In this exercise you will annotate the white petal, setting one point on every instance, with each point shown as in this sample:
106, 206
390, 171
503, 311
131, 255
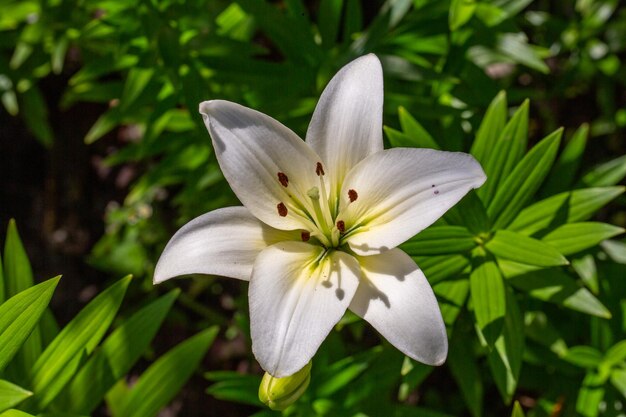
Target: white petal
347, 122
252, 149
296, 297
402, 191
222, 242
395, 298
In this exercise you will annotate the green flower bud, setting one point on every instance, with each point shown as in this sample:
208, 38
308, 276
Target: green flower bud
280, 393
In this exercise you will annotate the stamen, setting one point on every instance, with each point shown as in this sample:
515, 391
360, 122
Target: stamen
319, 169
282, 210
284, 180
341, 226
305, 236
352, 195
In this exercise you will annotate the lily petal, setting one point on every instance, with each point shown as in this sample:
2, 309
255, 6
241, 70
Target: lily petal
253, 151
395, 298
401, 192
222, 242
347, 122
297, 294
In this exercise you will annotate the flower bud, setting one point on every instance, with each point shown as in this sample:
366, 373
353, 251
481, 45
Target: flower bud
280, 393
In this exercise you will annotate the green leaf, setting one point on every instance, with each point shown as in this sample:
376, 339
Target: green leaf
608, 173
618, 379
465, 372
615, 355
566, 167
15, 413
522, 183
415, 131
575, 237
563, 208
517, 410
490, 128
583, 356
506, 153
136, 82
11, 395
18, 274
19, 316
553, 285
461, 11
471, 213
115, 357
34, 109
590, 395
488, 296
523, 249
505, 360
329, 20
2, 283
18, 277
105, 123
440, 240
615, 250
586, 269
61, 359
235, 387
160, 383
439, 268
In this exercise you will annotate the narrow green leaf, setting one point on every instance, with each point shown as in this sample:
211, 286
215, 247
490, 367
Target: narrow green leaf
506, 153
490, 128
488, 297
590, 395
329, 20
353, 18
137, 80
566, 167
440, 240
575, 237
17, 270
586, 269
235, 387
616, 250
517, 410
61, 359
615, 355
553, 285
15, 413
583, 356
115, 357
539, 329
461, 11
563, 208
522, 183
18, 277
471, 213
105, 123
505, 360
415, 131
439, 268
2, 282
608, 173
19, 316
34, 109
11, 395
160, 383
340, 374
618, 379
452, 296
519, 248
466, 373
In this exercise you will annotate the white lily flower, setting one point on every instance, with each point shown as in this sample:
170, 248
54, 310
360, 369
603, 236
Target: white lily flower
320, 222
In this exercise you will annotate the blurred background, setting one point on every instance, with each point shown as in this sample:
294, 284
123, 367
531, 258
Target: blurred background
103, 155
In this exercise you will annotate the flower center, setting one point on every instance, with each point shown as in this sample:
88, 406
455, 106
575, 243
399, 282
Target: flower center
320, 213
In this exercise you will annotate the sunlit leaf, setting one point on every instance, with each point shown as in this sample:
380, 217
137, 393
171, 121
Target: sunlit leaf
11, 395
519, 248
575, 237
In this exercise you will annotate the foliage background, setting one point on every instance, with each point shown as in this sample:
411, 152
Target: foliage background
104, 156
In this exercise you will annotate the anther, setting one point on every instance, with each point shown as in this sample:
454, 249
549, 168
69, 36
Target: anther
352, 195
283, 179
319, 169
305, 236
341, 226
282, 209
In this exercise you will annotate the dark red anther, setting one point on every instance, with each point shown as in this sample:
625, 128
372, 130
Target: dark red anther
305, 236
319, 169
352, 195
284, 180
436, 191
341, 226
282, 209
